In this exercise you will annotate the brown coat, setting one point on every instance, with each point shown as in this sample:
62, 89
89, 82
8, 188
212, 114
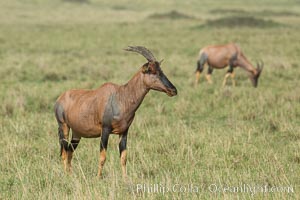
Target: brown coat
109, 109
221, 56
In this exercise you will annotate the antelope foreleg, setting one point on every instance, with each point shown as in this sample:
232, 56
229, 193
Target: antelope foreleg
101, 161
123, 156
230, 73
225, 78
232, 78
208, 75
103, 148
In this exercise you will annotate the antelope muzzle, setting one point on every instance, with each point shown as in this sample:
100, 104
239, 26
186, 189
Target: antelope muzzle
169, 89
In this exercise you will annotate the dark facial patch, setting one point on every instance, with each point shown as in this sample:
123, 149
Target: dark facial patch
154, 68
255, 81
166, 81
163, 78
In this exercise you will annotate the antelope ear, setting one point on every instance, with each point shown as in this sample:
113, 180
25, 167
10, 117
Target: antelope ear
161, 61
146, 68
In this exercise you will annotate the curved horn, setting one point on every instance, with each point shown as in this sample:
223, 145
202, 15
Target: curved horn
143, 51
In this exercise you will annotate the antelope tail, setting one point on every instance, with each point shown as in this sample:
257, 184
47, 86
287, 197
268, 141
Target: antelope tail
201, 61
59, 114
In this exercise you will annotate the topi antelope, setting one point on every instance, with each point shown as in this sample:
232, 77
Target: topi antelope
109, 109
220, 56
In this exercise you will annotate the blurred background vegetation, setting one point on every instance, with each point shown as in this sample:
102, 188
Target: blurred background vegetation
205, 135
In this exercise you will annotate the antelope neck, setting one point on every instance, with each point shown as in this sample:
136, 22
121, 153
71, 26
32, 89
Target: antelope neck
132, 93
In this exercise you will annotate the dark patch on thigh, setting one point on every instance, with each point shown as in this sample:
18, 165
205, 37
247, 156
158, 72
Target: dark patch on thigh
59, 112
201, 62
203, 58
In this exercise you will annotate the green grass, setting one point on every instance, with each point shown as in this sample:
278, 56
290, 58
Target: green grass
204, 136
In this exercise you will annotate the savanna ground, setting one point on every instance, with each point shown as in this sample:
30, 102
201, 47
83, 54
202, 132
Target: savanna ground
205, 135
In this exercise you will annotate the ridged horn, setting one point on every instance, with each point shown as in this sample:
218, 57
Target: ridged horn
143, 51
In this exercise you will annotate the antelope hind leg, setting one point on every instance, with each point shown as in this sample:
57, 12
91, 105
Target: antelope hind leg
63, 132
198, 73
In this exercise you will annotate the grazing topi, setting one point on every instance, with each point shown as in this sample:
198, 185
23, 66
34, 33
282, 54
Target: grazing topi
221, 56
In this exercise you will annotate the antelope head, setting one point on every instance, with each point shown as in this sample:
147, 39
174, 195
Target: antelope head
254, 77
153, 76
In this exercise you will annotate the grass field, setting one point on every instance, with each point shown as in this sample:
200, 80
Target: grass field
205, 137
